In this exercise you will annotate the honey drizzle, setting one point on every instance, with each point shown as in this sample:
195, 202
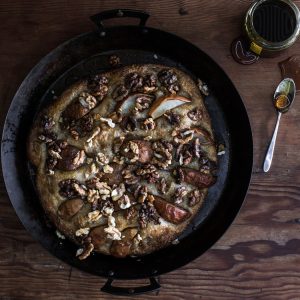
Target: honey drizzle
282, 101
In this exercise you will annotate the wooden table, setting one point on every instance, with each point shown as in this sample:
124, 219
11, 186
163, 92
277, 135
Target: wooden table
258, 257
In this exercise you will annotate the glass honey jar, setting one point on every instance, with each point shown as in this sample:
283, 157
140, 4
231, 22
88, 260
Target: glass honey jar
271, 26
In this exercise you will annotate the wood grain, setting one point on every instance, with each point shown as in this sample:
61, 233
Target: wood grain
258, 257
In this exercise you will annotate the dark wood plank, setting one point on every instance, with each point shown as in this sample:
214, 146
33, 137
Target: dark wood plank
258, 256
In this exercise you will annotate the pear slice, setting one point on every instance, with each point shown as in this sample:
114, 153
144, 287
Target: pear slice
126, 106
169, 211
166, 103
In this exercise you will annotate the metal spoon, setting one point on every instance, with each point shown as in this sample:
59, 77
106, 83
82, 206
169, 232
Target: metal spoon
283, 98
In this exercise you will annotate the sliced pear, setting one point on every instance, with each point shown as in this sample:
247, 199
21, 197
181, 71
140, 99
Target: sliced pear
165, 103
122, 248
71, 158
98, 236
69, 208
196, 178
170, 212
126, 106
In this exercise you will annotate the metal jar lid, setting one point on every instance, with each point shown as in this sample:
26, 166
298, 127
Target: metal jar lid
260, 44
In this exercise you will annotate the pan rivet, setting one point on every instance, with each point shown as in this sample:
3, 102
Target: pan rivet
131, 291
145, 30
111, 273
102, 33
194, 227
154, 271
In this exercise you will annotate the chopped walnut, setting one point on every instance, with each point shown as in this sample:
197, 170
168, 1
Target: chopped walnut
93, 195
124, 202
129, 177
150, 83
142, 102
179, 194
104, 189
78, 159
82, 231
91, 183
130, 213
150, 198
101, 159
108, 169
134, 82
141, 193
183, 136
195, 114
47, 137
111, 221
106, 207
114, 60
184, 153
197, 148
148, 172
74, 134
133, 149
194, 197
119, 160
113, 233
91, 217
169, 80
147, 214
94, 216
162, 154
87, 100
173, 118
120, 93
85, 252
148, 124
162, 185
179, 175
71, 188
118, 192
203, 87
108, 121
98, 86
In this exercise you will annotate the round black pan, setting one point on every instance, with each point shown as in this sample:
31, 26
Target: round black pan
88, 54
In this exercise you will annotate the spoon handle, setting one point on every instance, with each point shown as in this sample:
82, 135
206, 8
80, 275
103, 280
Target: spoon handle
270, 152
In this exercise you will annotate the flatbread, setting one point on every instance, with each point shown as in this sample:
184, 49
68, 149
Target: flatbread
124, 159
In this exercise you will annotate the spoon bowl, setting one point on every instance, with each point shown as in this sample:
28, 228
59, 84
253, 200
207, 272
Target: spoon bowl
287, 91
283, 98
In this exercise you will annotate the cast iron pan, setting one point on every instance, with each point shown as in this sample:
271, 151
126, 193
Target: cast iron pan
88, 54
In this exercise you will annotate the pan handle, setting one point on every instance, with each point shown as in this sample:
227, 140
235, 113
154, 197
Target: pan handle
127, 291
119, 13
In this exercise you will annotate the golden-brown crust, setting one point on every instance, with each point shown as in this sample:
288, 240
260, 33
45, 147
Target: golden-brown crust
153, 236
